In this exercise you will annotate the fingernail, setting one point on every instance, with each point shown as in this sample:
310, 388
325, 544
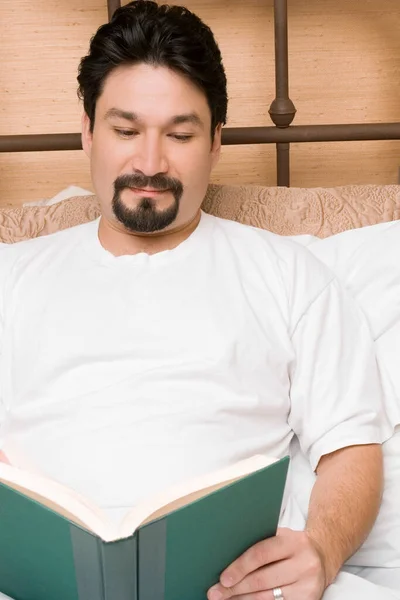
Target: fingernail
215, 595
226, 580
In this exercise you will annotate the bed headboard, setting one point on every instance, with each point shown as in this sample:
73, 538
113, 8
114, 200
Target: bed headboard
282, 111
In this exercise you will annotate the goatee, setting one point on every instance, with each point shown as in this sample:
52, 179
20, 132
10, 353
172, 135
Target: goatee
146, 217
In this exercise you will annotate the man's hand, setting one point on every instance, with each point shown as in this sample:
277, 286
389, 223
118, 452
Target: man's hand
343, 506
290, 561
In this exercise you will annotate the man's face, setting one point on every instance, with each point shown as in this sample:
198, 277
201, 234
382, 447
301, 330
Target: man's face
151, 150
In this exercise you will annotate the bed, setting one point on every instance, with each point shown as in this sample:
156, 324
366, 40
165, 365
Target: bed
284, 210
315, 215
282, 112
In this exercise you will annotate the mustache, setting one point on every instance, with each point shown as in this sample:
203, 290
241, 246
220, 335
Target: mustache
154, 182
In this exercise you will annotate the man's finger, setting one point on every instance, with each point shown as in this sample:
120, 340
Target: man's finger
265, 552
288, 593
278, 574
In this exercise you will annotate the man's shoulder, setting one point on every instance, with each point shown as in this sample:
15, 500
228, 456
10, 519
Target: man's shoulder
281, 261
254, 240
248, 232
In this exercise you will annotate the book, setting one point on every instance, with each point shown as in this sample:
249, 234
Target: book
55, 545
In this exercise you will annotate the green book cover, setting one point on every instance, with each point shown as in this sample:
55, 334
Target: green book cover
47, 556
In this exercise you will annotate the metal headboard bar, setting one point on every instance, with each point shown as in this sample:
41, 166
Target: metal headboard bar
282, 109
231, 136
112, 6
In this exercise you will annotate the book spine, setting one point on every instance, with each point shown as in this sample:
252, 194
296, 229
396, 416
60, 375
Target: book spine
119, 569
104, 570
152, 548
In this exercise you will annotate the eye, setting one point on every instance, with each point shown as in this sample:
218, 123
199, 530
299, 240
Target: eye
125, 133
181, 137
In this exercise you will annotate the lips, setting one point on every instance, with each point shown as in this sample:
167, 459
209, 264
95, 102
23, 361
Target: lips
148, 191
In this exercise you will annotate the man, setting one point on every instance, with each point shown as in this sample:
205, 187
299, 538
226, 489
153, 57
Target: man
168, 342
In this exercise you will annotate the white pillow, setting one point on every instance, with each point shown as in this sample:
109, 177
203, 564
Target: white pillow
367, 262
68, 192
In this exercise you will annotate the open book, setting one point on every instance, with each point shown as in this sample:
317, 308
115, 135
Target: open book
56, 544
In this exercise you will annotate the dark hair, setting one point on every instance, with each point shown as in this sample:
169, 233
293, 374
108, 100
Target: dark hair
170, 36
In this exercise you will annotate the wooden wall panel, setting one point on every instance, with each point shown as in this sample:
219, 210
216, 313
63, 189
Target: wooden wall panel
345, 67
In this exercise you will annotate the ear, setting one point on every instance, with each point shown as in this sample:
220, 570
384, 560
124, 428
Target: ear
216, 145
87, 136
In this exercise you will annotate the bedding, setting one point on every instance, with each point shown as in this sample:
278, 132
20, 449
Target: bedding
367, 263
287, 211
69, 192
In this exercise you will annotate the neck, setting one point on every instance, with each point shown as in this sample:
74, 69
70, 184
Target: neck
120, 242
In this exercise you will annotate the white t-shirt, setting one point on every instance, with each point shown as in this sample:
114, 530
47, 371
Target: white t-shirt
122, 375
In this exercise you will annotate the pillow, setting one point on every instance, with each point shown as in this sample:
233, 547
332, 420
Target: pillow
21, 223
366, 261
309, 211
286, 211
69, 192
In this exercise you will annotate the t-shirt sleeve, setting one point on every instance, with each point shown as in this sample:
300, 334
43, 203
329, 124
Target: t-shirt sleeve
336, 398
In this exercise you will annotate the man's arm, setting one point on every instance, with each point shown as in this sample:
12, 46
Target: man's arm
344, 503
336, 406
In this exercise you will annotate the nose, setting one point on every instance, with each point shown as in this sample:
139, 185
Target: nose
150, 156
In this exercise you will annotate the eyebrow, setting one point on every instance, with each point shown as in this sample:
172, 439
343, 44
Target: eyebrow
190, 118
121, 114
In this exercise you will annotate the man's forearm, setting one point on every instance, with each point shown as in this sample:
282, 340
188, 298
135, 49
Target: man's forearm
344, 503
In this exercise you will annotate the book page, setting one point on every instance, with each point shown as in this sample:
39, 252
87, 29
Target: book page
60, 499
86, 514
61, 510
189, 491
